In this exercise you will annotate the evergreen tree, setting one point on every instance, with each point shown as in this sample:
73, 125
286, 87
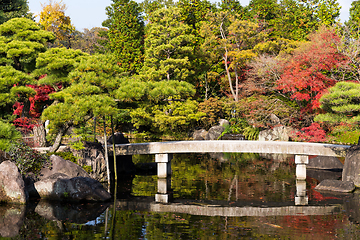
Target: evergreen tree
8, 133
54, 66
168, 45
14, 9
21, 40
91, 94
193, 13
298, 18
354, 19
341, 104
126, 34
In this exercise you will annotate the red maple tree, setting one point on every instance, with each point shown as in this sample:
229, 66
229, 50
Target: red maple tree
307, 74
36, 106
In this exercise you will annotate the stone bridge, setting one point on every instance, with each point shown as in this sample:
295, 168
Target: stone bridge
163, 151
163, 154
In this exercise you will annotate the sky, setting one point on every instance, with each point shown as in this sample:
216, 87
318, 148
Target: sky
91, 13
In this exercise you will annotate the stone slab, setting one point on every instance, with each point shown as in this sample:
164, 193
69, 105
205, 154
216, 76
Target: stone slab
240, 146
325, 162
336, 186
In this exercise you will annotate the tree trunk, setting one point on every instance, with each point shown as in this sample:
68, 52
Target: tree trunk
26, 109
39, 135
59, 136
229, 76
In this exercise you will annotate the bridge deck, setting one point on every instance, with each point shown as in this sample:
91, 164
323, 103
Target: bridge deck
296, 148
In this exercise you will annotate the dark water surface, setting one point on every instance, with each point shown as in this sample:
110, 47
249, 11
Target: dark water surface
227, 196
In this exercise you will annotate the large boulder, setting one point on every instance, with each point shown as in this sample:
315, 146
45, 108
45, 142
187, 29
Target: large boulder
351, 170
59, 165
199, 134
12, 187
119, 138
325, 162
224, 122
61, 187
214, 132
279, 133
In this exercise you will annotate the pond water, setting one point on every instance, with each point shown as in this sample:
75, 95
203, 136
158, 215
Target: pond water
224, 196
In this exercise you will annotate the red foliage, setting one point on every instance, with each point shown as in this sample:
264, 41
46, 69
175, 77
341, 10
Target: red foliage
318, 226
42, 95
305, 76
25, 124
313, 133
36, 102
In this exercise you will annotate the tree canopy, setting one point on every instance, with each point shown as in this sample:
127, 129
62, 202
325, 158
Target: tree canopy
159, 63
14, 9
341, 104
126, 34
53, 19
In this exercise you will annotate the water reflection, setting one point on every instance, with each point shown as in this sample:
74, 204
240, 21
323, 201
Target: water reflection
142, 217
240, 197
76, 213
11, 219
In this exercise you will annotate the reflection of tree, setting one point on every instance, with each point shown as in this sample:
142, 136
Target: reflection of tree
128, 225
197, 176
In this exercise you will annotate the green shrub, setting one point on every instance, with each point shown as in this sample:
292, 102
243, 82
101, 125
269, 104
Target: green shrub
87, 168
8, 133
213, 108
240, 126
27, 159
65, 155
344, 134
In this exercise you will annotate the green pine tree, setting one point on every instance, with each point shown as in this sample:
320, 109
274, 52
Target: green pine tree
8, 133
354, 19
341, 104
126, 34
21, 40
168, 44
14, 9
56, 64
91, 94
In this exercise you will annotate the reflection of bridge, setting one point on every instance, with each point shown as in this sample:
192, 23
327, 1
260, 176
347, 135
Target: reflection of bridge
163, 154
199, 208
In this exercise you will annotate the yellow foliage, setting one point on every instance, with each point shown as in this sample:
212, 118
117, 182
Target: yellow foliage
53, 18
